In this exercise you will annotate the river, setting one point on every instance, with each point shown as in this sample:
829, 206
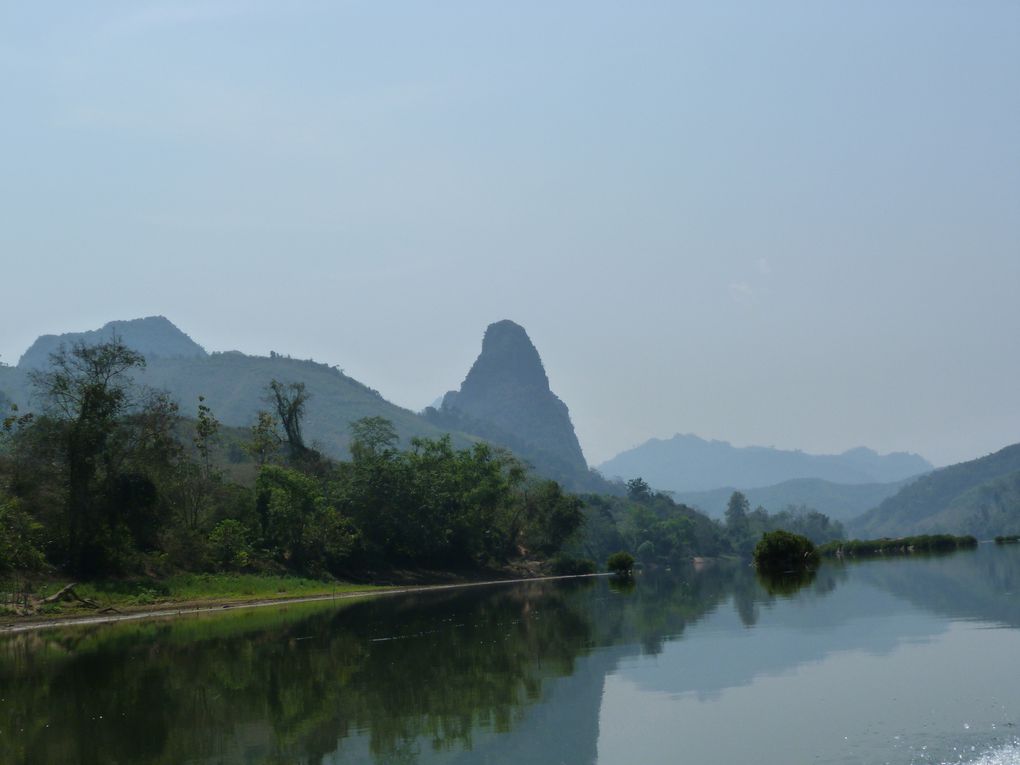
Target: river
904, 660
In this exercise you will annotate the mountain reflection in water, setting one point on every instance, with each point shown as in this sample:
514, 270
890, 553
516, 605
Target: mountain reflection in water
501, 674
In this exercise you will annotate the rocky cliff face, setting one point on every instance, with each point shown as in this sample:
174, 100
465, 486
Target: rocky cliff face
506, 399
155, 337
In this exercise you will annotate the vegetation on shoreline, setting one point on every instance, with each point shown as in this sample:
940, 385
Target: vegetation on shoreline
108, 483
862, 548
22, 596
101, 485
781, 551
1008, 539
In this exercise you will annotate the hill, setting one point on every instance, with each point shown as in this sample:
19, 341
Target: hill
155, 337
840, 501
506, 399
979, 497
233, 383
686, 463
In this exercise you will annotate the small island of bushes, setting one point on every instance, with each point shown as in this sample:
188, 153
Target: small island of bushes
782, 551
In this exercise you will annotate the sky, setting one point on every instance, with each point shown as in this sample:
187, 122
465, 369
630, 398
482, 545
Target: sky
793, 223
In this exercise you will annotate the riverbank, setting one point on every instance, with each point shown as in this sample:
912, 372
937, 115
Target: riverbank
168, 609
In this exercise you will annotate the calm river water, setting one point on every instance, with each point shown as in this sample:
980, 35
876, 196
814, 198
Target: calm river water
890, 661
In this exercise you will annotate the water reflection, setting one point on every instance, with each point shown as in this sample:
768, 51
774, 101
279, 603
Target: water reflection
500, 674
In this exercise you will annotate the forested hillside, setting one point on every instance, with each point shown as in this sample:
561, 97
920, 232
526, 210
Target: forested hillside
979, 497
840, 501
233, 384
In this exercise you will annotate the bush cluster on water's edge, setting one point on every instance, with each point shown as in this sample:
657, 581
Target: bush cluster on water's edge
620, 563
780, 550
1008, 539
901, 546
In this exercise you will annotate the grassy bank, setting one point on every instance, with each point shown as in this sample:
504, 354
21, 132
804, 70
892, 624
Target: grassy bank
20, 598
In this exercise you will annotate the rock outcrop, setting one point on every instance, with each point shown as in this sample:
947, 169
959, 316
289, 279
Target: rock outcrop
506, 399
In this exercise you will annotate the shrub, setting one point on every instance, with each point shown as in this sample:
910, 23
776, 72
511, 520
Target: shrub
228, 543
782, 551
620, 563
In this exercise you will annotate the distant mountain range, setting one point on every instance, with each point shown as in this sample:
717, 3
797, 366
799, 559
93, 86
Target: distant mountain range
687, 463
979, 497
840, 501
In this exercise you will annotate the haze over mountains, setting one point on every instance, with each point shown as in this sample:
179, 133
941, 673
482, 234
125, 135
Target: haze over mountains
506, 399
233, 383
840, 501
155, 337
979, 497
688, 463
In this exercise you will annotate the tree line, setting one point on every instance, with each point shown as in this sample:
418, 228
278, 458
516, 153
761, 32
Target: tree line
107, 478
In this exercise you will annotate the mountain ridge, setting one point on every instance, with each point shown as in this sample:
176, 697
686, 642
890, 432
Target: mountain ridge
841, 502
979, 497
688, 463
152, 336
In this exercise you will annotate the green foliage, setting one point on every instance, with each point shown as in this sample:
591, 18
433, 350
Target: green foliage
107, 440
861, 548
736, 513
780, 551
978, 497
620, 563
229, 545
20, 539
1007, 539
265, 440
300, 527
646, 551
109, 481
638, 490
676, 531
207, 429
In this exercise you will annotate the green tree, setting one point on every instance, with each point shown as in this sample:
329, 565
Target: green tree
373, 437
20, 539
620, 563
107, 430
229, 545
264, 439
638, 490
736, 513
207, 436
780, 551
301, 527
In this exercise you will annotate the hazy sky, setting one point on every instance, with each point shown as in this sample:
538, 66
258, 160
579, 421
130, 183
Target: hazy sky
786, 223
